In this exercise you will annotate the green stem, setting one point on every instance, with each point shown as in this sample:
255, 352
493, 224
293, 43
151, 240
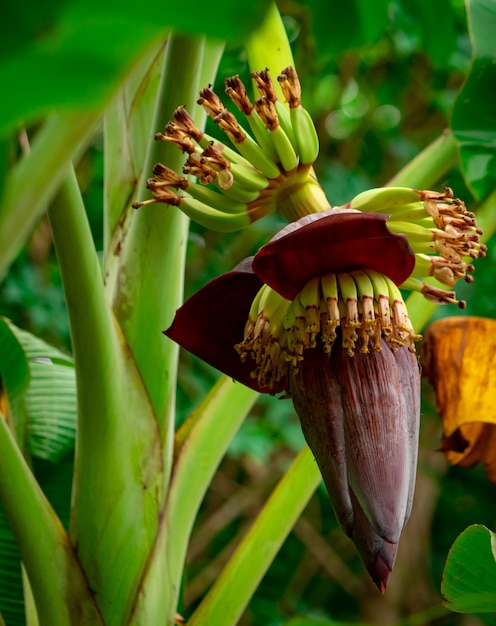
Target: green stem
29, 601
118, 462
59, 586
149, 278
200, 445
34, 180
227, 599
128, 129
269, 47
430, 165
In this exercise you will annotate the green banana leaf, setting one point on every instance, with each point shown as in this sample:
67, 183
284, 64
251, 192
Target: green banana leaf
473, 114
469, 579
39, 387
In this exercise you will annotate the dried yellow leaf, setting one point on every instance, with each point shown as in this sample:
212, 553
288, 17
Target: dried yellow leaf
460, 362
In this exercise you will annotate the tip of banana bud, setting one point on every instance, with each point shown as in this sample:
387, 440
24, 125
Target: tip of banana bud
378, 554
381, 569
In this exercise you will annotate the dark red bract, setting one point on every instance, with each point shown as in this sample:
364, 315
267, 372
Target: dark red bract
333, 241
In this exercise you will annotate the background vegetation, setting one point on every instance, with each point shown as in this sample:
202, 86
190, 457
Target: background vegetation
380, 79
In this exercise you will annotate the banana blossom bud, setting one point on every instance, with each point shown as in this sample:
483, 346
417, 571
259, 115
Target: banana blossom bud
316, 315
360, 417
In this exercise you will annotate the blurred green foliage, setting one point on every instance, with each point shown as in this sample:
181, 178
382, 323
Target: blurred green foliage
380, 79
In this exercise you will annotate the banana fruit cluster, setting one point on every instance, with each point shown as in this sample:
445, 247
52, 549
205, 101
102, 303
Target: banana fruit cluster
265, 170
442, 232
365, 305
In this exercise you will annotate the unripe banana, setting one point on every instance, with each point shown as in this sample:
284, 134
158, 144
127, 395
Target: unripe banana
290, 318
381, 296
240, 194
366, 295
347, 286
394, 292
379, 284
261, 134
285, 121
310, 294
329, 286
271, 302
414, 232
364, 285
278, 317
422, 265
309, 297
249, 177
411, 212
383, 199
286, 154
250, 149
215, 199
256, 303
211, 218
307, 141
232, 155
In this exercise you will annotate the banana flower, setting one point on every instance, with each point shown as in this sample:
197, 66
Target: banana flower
314, 316
317, 314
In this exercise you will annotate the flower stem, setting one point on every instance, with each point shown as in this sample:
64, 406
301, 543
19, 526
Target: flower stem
430, 165
269, 47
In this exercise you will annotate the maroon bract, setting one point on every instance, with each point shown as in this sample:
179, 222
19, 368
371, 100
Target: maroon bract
333, 241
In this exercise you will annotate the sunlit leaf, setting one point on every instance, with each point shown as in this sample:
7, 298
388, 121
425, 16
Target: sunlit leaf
461, 365
469, 580
473, 114
39, 384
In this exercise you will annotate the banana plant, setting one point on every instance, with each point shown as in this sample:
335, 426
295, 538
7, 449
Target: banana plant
316, 314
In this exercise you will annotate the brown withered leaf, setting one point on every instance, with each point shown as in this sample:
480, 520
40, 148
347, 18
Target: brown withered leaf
460, 362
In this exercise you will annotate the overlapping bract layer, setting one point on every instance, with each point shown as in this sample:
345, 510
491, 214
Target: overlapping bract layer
360, 417
317, 314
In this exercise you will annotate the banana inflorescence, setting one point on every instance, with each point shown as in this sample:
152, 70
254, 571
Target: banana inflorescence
364, 305
262, 172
